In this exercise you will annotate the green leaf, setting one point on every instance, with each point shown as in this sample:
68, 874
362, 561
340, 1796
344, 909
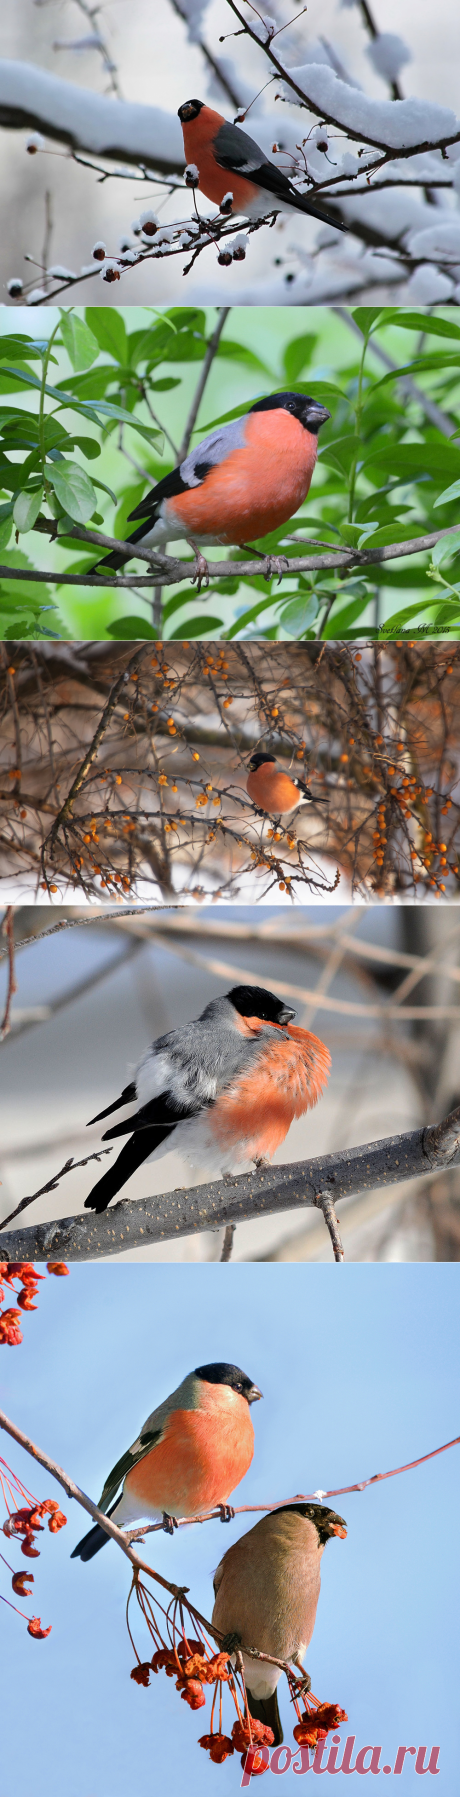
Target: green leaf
247, 617
129, 629
27, 349
446, 546
195, 627
108, 327
452, 492
74, 490
420, 365
300, 614
26, 509
418, 321
237, 352
390, 533
298, 353
365, 317
89, 447
414, 458
80, 343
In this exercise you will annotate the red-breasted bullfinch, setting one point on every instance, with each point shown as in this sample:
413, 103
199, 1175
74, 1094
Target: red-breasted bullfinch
228, 160
273, 791
244, 480
267, 1588
223, 1089
188, 1456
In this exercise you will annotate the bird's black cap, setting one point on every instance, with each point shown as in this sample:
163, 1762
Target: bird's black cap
258, 760
327, 1522
221, 1372
254, 1001
308, 411
189, 110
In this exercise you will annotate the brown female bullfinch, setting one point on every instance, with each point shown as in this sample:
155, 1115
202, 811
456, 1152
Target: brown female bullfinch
223, 1090
188, 1457
274, 791
228, 159
242, 481
267, 1588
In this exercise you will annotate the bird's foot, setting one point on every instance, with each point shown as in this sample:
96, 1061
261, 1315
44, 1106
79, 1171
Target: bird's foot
201, 570
230, 1643
275, 564
226, 1512
169, 1523
260, 1160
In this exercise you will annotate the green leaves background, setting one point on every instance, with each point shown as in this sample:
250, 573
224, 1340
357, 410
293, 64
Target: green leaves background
114, 388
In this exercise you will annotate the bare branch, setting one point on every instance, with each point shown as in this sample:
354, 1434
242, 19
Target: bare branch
140, 1222
211, 352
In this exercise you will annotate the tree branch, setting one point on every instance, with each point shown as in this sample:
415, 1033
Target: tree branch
171, 570
140, 1222
211, 352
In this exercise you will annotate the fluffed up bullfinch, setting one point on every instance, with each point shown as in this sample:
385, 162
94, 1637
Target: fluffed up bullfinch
189, 1455
267, 1588
244, 480
274, 791
228, 160
223, 1089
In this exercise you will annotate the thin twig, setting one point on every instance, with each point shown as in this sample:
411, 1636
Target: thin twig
211, 352
227, 1245
324, 1201
109, 708
8, 931
52, 1184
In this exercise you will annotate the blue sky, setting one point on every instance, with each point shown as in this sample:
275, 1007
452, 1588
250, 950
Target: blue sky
357, 1366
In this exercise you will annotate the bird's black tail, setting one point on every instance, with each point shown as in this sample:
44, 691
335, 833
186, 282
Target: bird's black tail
301, 203
93, 1541
140, 1145
115, 561
265, 1709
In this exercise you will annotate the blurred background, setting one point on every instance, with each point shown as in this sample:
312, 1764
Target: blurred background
154, 56
359, 1374
380, 987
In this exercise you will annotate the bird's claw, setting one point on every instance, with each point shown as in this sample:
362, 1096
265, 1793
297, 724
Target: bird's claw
230, 1643
169, 1523
201, 571
226, 1512
275, 564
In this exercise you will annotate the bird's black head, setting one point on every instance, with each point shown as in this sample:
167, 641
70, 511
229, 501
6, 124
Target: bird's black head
308, 411
258, 760
254, 1001
189, 111
327, 1522
221, 1372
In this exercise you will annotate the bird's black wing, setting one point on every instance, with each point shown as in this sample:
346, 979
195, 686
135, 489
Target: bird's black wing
148, 509
160, 1113
238, 154
127, 1097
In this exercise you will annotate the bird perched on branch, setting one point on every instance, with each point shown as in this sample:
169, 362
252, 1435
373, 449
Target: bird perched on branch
189, 1455
242, 481
223, 1090
267, 1588
274, 791
228, 160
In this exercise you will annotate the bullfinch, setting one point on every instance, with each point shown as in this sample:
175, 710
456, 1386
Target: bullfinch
223, 1089
228, 160
267, 1588
188, 1457
244, 480
273, 791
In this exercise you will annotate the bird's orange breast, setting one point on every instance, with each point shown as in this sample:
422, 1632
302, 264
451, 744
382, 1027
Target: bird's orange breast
272, 790
200, 1459
257, 1110
257, 488
215, 182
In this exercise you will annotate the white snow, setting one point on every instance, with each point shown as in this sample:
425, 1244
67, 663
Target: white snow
440, 241
388, 53
394, 124
38, 293
62, 274
427, 286
34, 142
90, 121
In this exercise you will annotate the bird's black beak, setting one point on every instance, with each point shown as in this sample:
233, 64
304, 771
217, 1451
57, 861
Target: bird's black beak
286, 1015
253, 1394
316, 415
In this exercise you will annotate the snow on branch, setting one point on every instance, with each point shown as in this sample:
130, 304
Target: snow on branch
31, 98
